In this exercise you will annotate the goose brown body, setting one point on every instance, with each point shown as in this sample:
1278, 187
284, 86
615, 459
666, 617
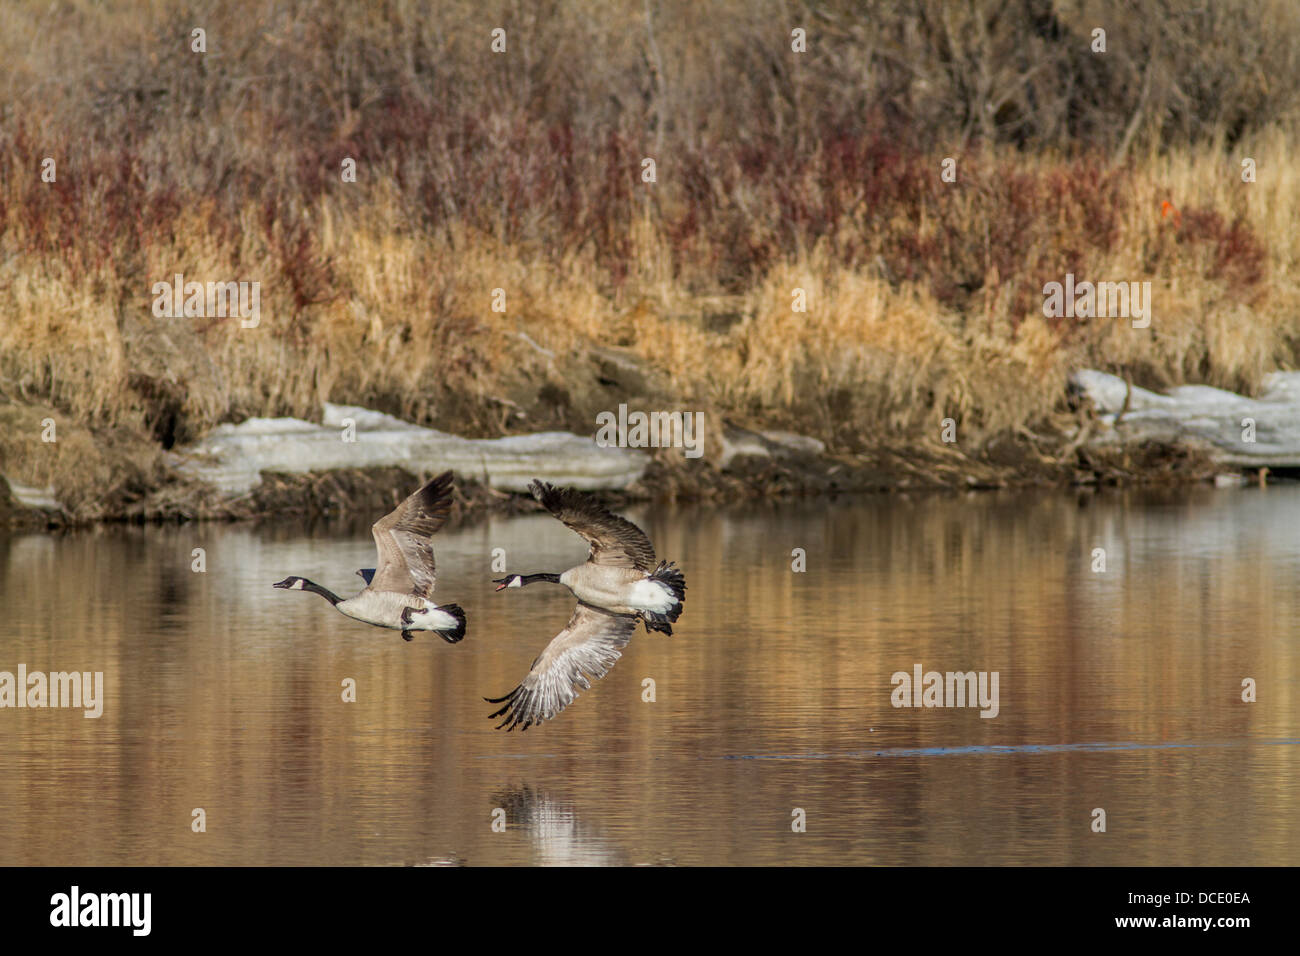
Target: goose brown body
619, 585
399, 590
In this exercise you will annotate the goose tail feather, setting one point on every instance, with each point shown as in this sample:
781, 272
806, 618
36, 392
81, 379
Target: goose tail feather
455, 634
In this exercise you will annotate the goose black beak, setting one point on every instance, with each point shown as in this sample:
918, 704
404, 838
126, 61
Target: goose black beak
283, 584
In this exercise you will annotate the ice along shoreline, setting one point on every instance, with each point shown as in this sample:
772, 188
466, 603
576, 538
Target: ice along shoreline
1113, 433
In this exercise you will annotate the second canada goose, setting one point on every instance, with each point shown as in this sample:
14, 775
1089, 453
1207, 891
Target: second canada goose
399, 593
620, 574
618, 585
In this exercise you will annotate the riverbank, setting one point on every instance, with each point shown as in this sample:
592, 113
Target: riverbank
126, 478
847, 244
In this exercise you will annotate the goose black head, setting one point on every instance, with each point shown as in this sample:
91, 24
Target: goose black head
290, 582
512, 581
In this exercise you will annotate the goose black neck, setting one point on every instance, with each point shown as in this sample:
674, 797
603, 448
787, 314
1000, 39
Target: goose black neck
541, 576
326, 593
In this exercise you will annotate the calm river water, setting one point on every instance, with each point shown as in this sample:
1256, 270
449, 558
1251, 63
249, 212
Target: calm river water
1118, 690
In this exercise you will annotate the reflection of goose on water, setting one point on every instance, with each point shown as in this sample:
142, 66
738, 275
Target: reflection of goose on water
399, 593
555, 830
618, 585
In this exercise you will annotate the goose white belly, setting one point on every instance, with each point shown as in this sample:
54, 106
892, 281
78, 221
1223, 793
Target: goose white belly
621, 590
384, 609
648, 595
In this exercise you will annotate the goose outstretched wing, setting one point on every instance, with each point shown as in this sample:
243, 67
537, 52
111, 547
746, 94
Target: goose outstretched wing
615, 542
584, 651
403, 538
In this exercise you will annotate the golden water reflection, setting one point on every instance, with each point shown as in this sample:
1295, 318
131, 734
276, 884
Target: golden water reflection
773, 694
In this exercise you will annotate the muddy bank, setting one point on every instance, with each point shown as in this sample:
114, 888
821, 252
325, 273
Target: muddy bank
127, 478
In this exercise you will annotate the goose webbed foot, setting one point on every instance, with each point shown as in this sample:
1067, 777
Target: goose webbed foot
408, 635
656, 622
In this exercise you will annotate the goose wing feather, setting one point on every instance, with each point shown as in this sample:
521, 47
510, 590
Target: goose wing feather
584, 651
615, 542
403, 539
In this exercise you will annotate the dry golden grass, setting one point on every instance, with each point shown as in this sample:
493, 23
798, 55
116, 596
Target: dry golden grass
924, 298
408, 312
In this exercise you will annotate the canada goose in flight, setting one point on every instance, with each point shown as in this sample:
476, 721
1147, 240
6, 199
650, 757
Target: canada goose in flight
399, 594
618, 585
620, 574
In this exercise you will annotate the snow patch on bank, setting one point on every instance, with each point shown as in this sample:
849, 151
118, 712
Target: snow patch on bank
1221, 419
743, 443
233, 457
41, 499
